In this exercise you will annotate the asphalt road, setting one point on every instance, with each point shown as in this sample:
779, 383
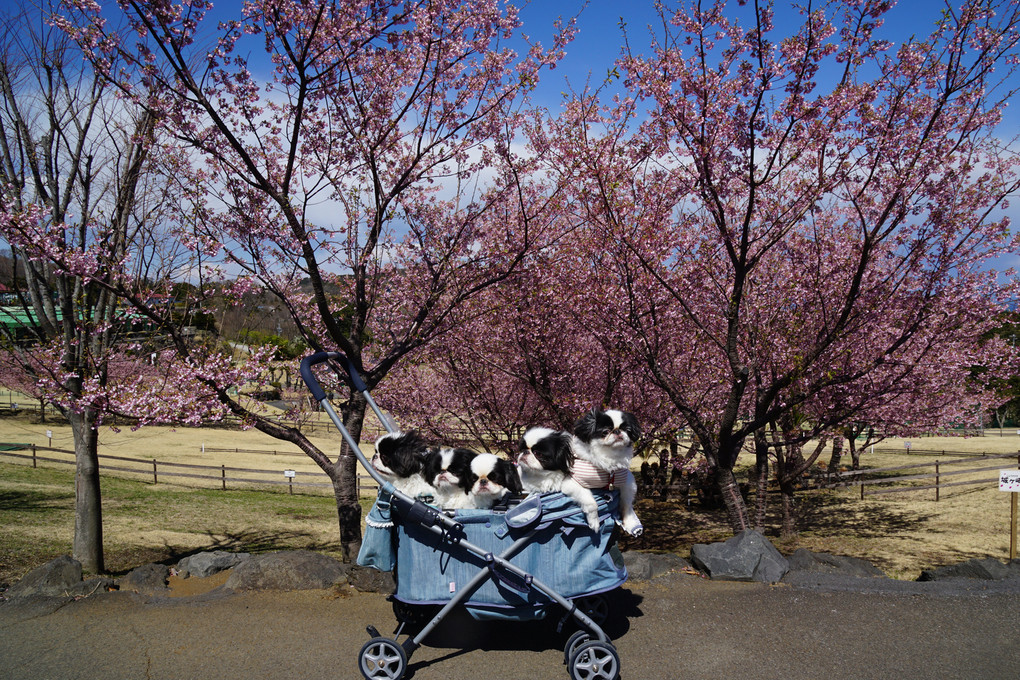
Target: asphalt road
676, 626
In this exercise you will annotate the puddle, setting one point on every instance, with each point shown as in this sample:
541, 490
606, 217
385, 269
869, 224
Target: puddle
185, 587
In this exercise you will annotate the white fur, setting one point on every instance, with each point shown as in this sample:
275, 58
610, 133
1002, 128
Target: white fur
613, 453
412, 486
449, 494
485, 495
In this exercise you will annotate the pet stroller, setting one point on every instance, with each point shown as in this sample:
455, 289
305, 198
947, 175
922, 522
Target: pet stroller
514, 563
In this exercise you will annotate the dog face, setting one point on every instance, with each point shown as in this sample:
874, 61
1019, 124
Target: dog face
449, 470
611, 429
543, 449
399, 455
494, 478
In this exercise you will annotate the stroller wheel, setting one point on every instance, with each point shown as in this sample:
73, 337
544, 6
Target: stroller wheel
594, 661
576, 640
414, 615
595, 606
382, 659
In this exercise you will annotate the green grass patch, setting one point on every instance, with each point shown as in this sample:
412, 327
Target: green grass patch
144, 523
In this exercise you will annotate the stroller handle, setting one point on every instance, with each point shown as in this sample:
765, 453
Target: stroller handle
320, 357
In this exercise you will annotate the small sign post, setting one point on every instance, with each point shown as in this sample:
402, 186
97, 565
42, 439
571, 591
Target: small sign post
290, 475
1009, 480
49, 436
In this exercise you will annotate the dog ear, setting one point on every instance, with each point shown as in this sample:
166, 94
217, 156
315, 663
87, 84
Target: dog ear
584, 428
631, 427
563, 448
513, 480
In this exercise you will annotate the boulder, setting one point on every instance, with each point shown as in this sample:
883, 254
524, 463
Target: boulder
295, 570
148, 579
60, 577
646, 566
204, 564
805, 560
367, 580
987, 569
748, 556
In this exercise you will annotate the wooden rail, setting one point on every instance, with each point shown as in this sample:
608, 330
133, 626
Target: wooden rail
875, 476
221, 474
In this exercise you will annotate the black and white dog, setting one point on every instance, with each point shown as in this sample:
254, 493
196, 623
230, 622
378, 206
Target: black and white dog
400, 458
544, 460
493, 479
603, 446
449, 472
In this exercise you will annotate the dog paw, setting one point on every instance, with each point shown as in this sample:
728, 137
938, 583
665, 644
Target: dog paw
593, 522
633, 527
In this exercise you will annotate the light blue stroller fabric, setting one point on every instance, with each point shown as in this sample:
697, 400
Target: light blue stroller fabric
379, 542
567, 556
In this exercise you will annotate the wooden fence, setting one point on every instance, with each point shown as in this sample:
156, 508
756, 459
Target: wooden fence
653, 482
218, 475
880, 477
872, 481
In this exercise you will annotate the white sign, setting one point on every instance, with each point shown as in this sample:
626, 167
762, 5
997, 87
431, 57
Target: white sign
289, 473
1009, 480
906, 445
49, 434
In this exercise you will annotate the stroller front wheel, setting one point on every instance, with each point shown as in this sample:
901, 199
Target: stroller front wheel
594, 661
382, 659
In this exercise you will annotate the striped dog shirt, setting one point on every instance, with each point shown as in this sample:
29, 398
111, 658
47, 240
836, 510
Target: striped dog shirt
591, 477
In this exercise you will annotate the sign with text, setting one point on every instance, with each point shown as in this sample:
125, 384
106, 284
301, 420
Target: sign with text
1009, 480
289, 473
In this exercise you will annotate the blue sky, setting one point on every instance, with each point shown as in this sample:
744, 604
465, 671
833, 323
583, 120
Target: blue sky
599, 37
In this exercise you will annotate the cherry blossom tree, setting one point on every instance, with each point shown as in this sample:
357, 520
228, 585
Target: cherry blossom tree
73, 164
540, 349
812, 211
366, 171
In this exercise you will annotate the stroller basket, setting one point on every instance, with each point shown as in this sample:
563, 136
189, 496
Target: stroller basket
570, 558
503, 563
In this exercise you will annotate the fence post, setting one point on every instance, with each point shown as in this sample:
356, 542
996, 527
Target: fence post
862, 491
937, 480
155, 477
223, 475
34, 463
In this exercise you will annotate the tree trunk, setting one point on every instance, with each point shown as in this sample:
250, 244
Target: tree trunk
761, 468
88, 509
730, 492
837, 454
345, 482
789, 525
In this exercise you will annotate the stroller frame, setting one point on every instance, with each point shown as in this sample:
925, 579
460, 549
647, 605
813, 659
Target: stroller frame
588, 654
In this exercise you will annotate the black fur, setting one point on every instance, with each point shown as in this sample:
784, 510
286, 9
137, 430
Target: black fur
552, 451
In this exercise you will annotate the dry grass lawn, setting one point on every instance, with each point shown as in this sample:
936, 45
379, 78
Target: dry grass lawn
901, 533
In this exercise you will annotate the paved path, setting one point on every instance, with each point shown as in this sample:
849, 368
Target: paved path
676, 626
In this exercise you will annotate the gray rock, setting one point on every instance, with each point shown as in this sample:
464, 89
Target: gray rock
297, 570
206, 564
646, 566
805, 560
148, 579
748, 556
56, 578
986, 569
369, 580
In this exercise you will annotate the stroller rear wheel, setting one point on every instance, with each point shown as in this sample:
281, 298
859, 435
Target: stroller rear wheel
382, 659
595, 606
414, 615
594, 661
